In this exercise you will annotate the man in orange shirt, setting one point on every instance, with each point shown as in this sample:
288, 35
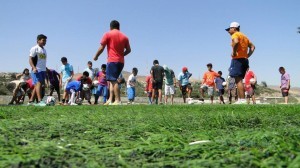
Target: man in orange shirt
117, 48
208, 82
242, 49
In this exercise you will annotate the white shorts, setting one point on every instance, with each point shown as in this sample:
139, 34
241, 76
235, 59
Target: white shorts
64, 84
169, 90
210, 90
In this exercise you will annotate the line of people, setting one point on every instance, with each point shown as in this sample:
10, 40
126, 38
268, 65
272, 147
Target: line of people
118, 47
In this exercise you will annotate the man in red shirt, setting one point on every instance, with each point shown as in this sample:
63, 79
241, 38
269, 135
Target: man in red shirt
117, 47
250, 87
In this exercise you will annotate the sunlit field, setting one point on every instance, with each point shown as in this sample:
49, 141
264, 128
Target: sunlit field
150, 136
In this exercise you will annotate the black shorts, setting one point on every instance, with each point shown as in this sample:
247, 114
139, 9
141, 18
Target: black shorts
184, 88
157, 85
285, 92
56, 87
238, 67
221, 92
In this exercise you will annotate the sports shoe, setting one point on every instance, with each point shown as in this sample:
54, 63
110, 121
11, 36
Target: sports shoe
241, 102
116, 103
107, 103
30, 104
73, 104
41, 104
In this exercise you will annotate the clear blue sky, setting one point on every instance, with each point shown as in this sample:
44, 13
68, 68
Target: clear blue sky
177, 33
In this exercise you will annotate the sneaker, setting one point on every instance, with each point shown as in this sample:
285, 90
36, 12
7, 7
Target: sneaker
41, 104
107, 103
30, 104
241, 102
116, 103
73, 104
128, 103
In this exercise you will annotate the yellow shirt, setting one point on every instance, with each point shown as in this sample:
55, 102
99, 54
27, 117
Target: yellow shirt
242, 48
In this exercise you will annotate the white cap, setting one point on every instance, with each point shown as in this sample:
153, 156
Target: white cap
233, 24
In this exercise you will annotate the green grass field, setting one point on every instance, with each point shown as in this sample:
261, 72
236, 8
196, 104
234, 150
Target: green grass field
150, 136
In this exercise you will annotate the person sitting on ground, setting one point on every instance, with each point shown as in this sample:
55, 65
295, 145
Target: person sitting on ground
25, 76
18, 92
21, 87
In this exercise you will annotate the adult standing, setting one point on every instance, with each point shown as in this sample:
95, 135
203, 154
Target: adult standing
90, 70
285, 84
37, 61
117, 48
157, 73
242, 49
170, 83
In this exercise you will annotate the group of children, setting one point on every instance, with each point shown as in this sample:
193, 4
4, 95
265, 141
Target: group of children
212, 81
93, 82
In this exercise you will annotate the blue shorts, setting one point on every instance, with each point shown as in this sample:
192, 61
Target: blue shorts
113, 70
38, 77
238, 67
131, 93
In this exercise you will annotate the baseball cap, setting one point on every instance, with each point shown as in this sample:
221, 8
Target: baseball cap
233, 24
184, 69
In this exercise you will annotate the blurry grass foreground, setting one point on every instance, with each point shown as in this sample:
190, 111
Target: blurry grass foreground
150, 136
